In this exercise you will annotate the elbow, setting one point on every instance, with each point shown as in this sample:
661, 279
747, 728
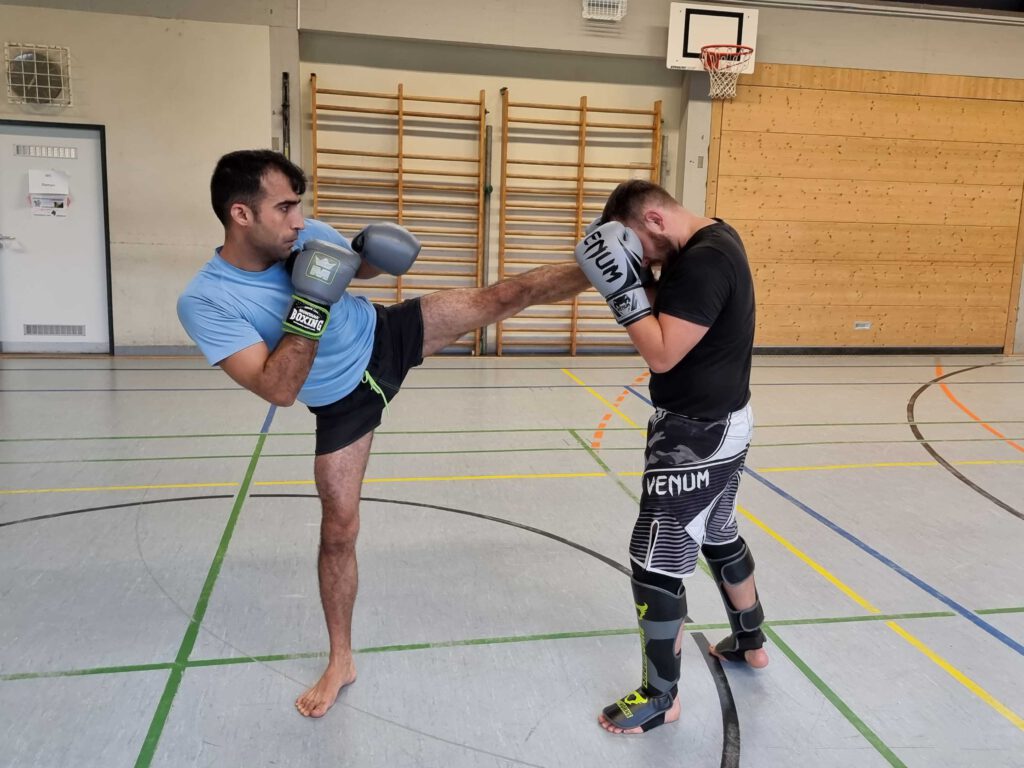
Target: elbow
280, 399
663, 363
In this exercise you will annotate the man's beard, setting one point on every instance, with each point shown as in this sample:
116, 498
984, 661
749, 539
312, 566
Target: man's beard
664, 247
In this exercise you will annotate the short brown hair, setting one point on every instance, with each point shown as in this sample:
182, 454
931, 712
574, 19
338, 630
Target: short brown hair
628, 200
238, 178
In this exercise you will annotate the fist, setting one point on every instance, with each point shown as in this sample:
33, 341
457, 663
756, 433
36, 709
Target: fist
612, 257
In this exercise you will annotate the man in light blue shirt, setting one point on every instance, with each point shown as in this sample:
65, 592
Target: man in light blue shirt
235, 310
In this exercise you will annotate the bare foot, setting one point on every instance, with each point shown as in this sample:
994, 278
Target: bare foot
317, 700
670, 717
757, 658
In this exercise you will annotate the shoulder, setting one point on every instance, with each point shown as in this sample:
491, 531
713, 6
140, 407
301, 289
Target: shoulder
208, 278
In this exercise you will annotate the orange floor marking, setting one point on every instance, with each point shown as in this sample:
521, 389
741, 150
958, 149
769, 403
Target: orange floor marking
595, 441
965, 409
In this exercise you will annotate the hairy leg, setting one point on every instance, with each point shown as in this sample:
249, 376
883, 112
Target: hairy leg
449, 314
339, 478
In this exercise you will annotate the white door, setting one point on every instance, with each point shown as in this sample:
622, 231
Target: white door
53, 240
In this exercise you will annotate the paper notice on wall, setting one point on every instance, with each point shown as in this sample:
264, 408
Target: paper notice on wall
49, 192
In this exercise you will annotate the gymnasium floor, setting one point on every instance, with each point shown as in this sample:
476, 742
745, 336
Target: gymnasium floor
158, 596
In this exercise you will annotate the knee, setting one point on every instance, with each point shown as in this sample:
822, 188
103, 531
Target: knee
339, 528
507, 296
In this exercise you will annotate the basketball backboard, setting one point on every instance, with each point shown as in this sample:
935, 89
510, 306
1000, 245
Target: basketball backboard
693, 26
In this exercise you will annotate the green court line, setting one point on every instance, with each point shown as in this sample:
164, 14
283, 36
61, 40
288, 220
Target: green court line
838, 703
163, 709
608, 471
990, 611
605, 467
871, 617
298, 455
129, 437
83, 672
865, 617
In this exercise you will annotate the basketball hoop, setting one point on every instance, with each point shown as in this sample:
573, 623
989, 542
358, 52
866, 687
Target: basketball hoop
723, 64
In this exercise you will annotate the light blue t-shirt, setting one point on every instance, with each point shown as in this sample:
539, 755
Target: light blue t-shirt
225, 309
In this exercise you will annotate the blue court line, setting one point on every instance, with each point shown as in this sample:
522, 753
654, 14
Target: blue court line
965, 612
266, 422
642, 397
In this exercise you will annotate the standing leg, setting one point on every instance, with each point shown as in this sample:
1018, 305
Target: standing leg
733, 569
449, 314
339, 479
660, 603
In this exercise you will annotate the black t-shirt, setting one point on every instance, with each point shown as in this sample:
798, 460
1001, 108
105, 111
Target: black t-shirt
708, 282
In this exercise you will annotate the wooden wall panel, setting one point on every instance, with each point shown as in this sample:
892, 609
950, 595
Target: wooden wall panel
844, 113
887, 199
769, 199
893, 285
833, 326
869, 242
875, 81
789, 155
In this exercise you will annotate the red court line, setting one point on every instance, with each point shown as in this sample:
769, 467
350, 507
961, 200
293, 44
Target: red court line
595, 441
969, 412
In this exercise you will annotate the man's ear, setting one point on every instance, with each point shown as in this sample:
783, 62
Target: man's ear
654, 220
241, 214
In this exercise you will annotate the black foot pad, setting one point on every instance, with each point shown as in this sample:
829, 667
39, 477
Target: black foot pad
639, 710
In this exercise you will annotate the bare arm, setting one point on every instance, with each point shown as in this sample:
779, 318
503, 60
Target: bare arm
664, 340
275, 376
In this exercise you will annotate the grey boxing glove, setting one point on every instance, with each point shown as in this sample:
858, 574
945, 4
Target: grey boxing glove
320, 273
611, 257
388, 247
647, 277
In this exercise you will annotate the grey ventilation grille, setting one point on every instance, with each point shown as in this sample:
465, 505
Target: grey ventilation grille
38, 74
54, 330
34, 150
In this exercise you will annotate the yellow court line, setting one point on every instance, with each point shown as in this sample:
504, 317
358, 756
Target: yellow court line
613, 408
890, 464
825, 573
455, 478
449, 478
957, 675
915, 642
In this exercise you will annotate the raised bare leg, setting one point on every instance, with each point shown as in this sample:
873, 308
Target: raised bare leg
339, 478
449, 314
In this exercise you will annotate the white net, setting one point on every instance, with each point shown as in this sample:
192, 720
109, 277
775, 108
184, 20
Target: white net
604, 10
724, 64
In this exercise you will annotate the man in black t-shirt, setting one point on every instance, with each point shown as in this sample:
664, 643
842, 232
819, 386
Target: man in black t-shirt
697, 339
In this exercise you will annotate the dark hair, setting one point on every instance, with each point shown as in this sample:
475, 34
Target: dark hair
238, 178
627, 201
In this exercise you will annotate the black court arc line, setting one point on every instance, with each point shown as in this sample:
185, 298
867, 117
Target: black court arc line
730, 717
912, 423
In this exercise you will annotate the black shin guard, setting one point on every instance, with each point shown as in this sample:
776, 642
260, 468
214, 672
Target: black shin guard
733, 564
660, 614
